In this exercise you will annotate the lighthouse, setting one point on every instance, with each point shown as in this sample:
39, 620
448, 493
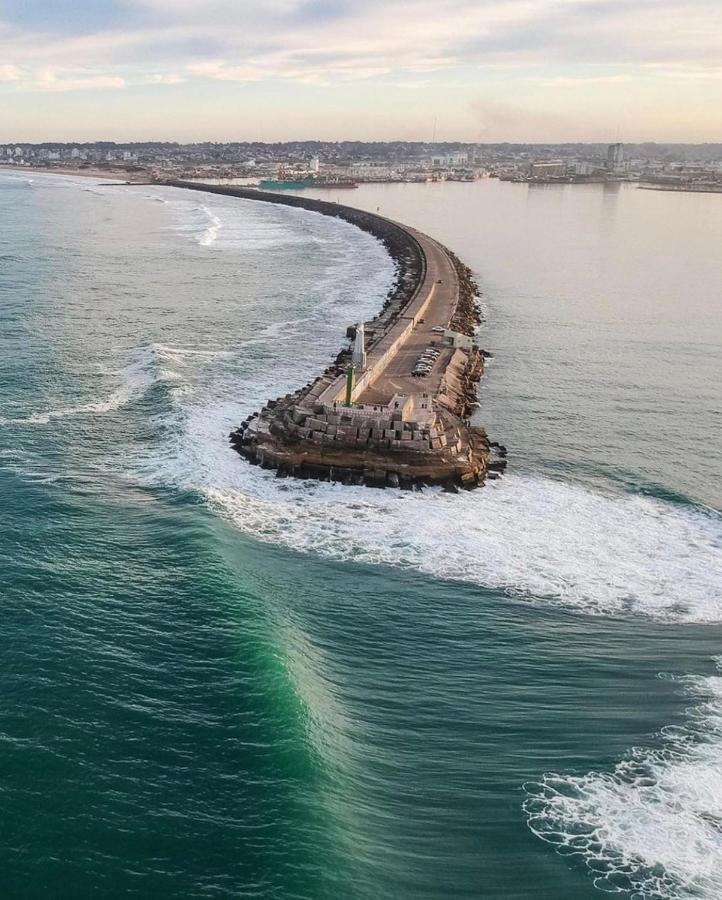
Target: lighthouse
359, 349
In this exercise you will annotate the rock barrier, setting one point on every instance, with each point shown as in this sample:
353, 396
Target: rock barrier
416, 439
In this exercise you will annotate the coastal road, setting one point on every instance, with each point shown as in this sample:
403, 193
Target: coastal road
442, 283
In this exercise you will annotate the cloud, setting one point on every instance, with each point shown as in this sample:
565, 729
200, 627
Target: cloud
515, 122
50, 80
316, 41
170, 78
545, 63
10, 73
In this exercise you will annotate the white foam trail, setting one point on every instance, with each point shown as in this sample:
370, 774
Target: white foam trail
136, 378
177, 353
653, 826
535, 537
209, 236
526, 535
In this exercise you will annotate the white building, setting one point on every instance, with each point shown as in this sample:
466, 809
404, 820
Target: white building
458, 340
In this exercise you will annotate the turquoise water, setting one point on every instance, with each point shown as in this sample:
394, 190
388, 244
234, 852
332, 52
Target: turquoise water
219, 684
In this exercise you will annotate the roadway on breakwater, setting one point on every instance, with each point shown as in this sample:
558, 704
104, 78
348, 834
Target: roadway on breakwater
397, 431
438, 296
394, 350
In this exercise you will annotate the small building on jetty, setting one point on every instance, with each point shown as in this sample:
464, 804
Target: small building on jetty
394, 408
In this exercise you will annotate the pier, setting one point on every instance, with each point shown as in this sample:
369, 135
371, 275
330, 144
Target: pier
394, 409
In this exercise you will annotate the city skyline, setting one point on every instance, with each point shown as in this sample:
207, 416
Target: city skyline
520, 70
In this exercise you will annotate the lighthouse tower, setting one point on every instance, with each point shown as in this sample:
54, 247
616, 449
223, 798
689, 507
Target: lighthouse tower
359, 349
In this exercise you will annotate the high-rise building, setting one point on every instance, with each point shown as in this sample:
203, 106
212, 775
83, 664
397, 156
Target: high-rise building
615, 157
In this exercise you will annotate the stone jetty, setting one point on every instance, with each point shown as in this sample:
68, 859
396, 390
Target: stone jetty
368, 419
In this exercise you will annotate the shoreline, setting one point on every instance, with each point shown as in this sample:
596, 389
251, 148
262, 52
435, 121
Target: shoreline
677, 189
118, 175
381, 425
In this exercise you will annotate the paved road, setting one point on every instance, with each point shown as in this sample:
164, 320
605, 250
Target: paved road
397, 378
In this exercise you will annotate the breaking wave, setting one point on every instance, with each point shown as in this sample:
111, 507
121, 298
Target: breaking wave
528, 535
653, 825
209, 236
135, 378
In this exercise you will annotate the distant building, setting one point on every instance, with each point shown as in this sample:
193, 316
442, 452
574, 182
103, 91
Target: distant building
615, 157
457, 340
548, 168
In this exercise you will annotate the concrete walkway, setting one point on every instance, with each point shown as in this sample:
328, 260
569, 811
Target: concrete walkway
441, 282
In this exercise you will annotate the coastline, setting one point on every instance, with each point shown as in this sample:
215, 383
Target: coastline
681, 189
119, 175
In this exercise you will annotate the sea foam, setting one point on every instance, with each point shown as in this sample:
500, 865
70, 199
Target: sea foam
528, 535
140, 372
210, 234
652, 826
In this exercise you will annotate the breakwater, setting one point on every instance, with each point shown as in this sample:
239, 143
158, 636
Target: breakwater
397, 413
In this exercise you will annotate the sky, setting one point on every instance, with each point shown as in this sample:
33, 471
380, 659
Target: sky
467, 70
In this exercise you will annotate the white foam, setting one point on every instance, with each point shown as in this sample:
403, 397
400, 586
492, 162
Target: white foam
135, 378
177, 353
209, 236
652, 826
529, 536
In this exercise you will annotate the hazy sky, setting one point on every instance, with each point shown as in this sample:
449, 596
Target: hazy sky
485, 70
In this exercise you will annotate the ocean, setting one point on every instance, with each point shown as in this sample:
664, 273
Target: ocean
216, 683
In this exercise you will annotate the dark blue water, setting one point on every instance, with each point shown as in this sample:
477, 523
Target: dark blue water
217, 684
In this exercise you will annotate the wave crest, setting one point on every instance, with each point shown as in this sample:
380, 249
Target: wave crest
653, 825
136, 377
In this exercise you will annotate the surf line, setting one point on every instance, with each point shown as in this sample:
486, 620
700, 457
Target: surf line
394, 408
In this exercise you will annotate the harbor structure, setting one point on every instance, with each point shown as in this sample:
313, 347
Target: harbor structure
395, 408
